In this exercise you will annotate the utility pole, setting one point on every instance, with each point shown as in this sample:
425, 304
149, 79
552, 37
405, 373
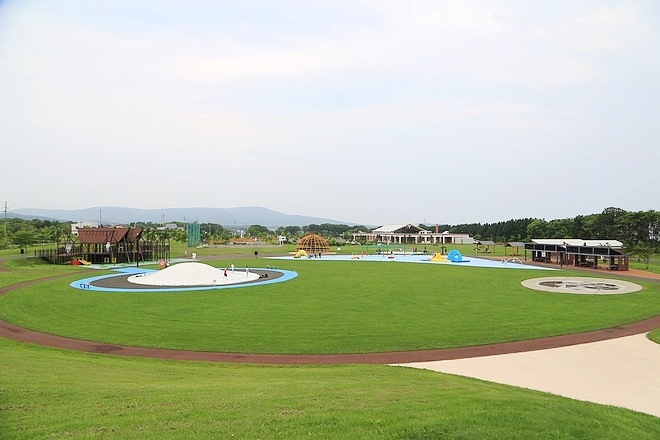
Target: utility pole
5, 211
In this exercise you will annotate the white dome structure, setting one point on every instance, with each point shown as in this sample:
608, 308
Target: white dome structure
192, 274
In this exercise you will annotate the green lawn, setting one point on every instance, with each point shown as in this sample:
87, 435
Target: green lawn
653, 266
16, 270
49, 393
332, 307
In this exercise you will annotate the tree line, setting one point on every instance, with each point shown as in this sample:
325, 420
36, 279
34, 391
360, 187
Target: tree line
22, 233
633, 228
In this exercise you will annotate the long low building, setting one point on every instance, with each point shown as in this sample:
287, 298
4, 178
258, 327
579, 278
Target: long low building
578, 252
410, 234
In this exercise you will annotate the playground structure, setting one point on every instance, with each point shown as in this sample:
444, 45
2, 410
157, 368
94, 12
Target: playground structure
192, 274
182, 276
453, 256
313, 244
513, 260
108, 245
194, 234
390, 249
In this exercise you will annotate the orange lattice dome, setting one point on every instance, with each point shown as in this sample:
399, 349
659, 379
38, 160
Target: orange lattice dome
313, 244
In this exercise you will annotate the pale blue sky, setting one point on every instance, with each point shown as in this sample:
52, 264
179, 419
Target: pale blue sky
370, 111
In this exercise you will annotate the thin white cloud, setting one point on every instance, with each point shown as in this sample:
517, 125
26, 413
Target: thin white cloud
407, 97
467, 38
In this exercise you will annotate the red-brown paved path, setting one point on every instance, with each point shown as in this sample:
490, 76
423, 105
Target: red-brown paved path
11, 331
634, 273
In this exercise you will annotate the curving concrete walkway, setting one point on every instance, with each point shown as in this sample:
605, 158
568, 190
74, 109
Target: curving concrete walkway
621, 372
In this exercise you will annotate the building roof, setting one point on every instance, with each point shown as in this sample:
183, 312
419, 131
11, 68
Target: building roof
394, 229
486, 242
578, 242
105, 235
602, 243
515, 244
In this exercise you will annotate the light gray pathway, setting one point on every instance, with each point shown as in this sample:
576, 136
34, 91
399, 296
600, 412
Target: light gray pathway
623, 372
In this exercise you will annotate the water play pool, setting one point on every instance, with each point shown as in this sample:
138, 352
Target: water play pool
422, 258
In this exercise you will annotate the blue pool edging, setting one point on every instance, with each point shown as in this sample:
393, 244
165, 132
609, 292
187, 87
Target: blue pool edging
86, 283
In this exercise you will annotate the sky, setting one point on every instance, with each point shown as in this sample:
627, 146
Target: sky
364, 111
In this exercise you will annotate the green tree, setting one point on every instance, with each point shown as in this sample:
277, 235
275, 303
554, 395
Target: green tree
290, 231
25, 237
640, 227
590, 227
576, 227
558, 228
179, 235
258, 231
537, 228
609, 223
643, 251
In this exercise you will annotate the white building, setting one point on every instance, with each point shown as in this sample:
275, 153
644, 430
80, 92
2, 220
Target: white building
76, 226
411, 234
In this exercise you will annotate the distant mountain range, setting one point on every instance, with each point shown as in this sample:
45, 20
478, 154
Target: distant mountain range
252, 215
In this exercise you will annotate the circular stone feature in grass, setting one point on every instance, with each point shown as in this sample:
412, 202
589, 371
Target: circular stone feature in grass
582, 285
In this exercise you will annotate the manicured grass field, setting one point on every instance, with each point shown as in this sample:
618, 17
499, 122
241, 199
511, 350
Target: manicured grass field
332, 307
48, 393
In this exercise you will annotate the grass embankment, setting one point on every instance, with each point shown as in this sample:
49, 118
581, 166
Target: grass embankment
48, 393
18, 270
655, 335
332, 307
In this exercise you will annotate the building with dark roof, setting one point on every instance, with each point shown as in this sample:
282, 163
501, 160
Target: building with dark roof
108, 245
608, 254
